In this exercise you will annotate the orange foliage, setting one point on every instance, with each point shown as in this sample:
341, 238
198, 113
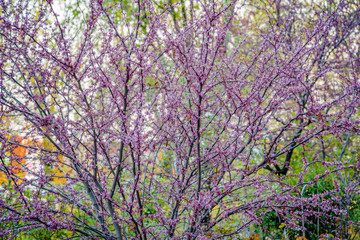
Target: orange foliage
301, 238
254, 237
15, 166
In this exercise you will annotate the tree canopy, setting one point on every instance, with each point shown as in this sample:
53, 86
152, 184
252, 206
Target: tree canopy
179, 119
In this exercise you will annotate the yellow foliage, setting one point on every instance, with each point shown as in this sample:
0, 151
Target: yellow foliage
57, 171
37, 15
161, 155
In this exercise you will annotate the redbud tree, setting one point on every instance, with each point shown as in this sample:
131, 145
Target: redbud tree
178, 119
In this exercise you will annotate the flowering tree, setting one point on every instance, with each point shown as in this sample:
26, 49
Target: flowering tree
186, 120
